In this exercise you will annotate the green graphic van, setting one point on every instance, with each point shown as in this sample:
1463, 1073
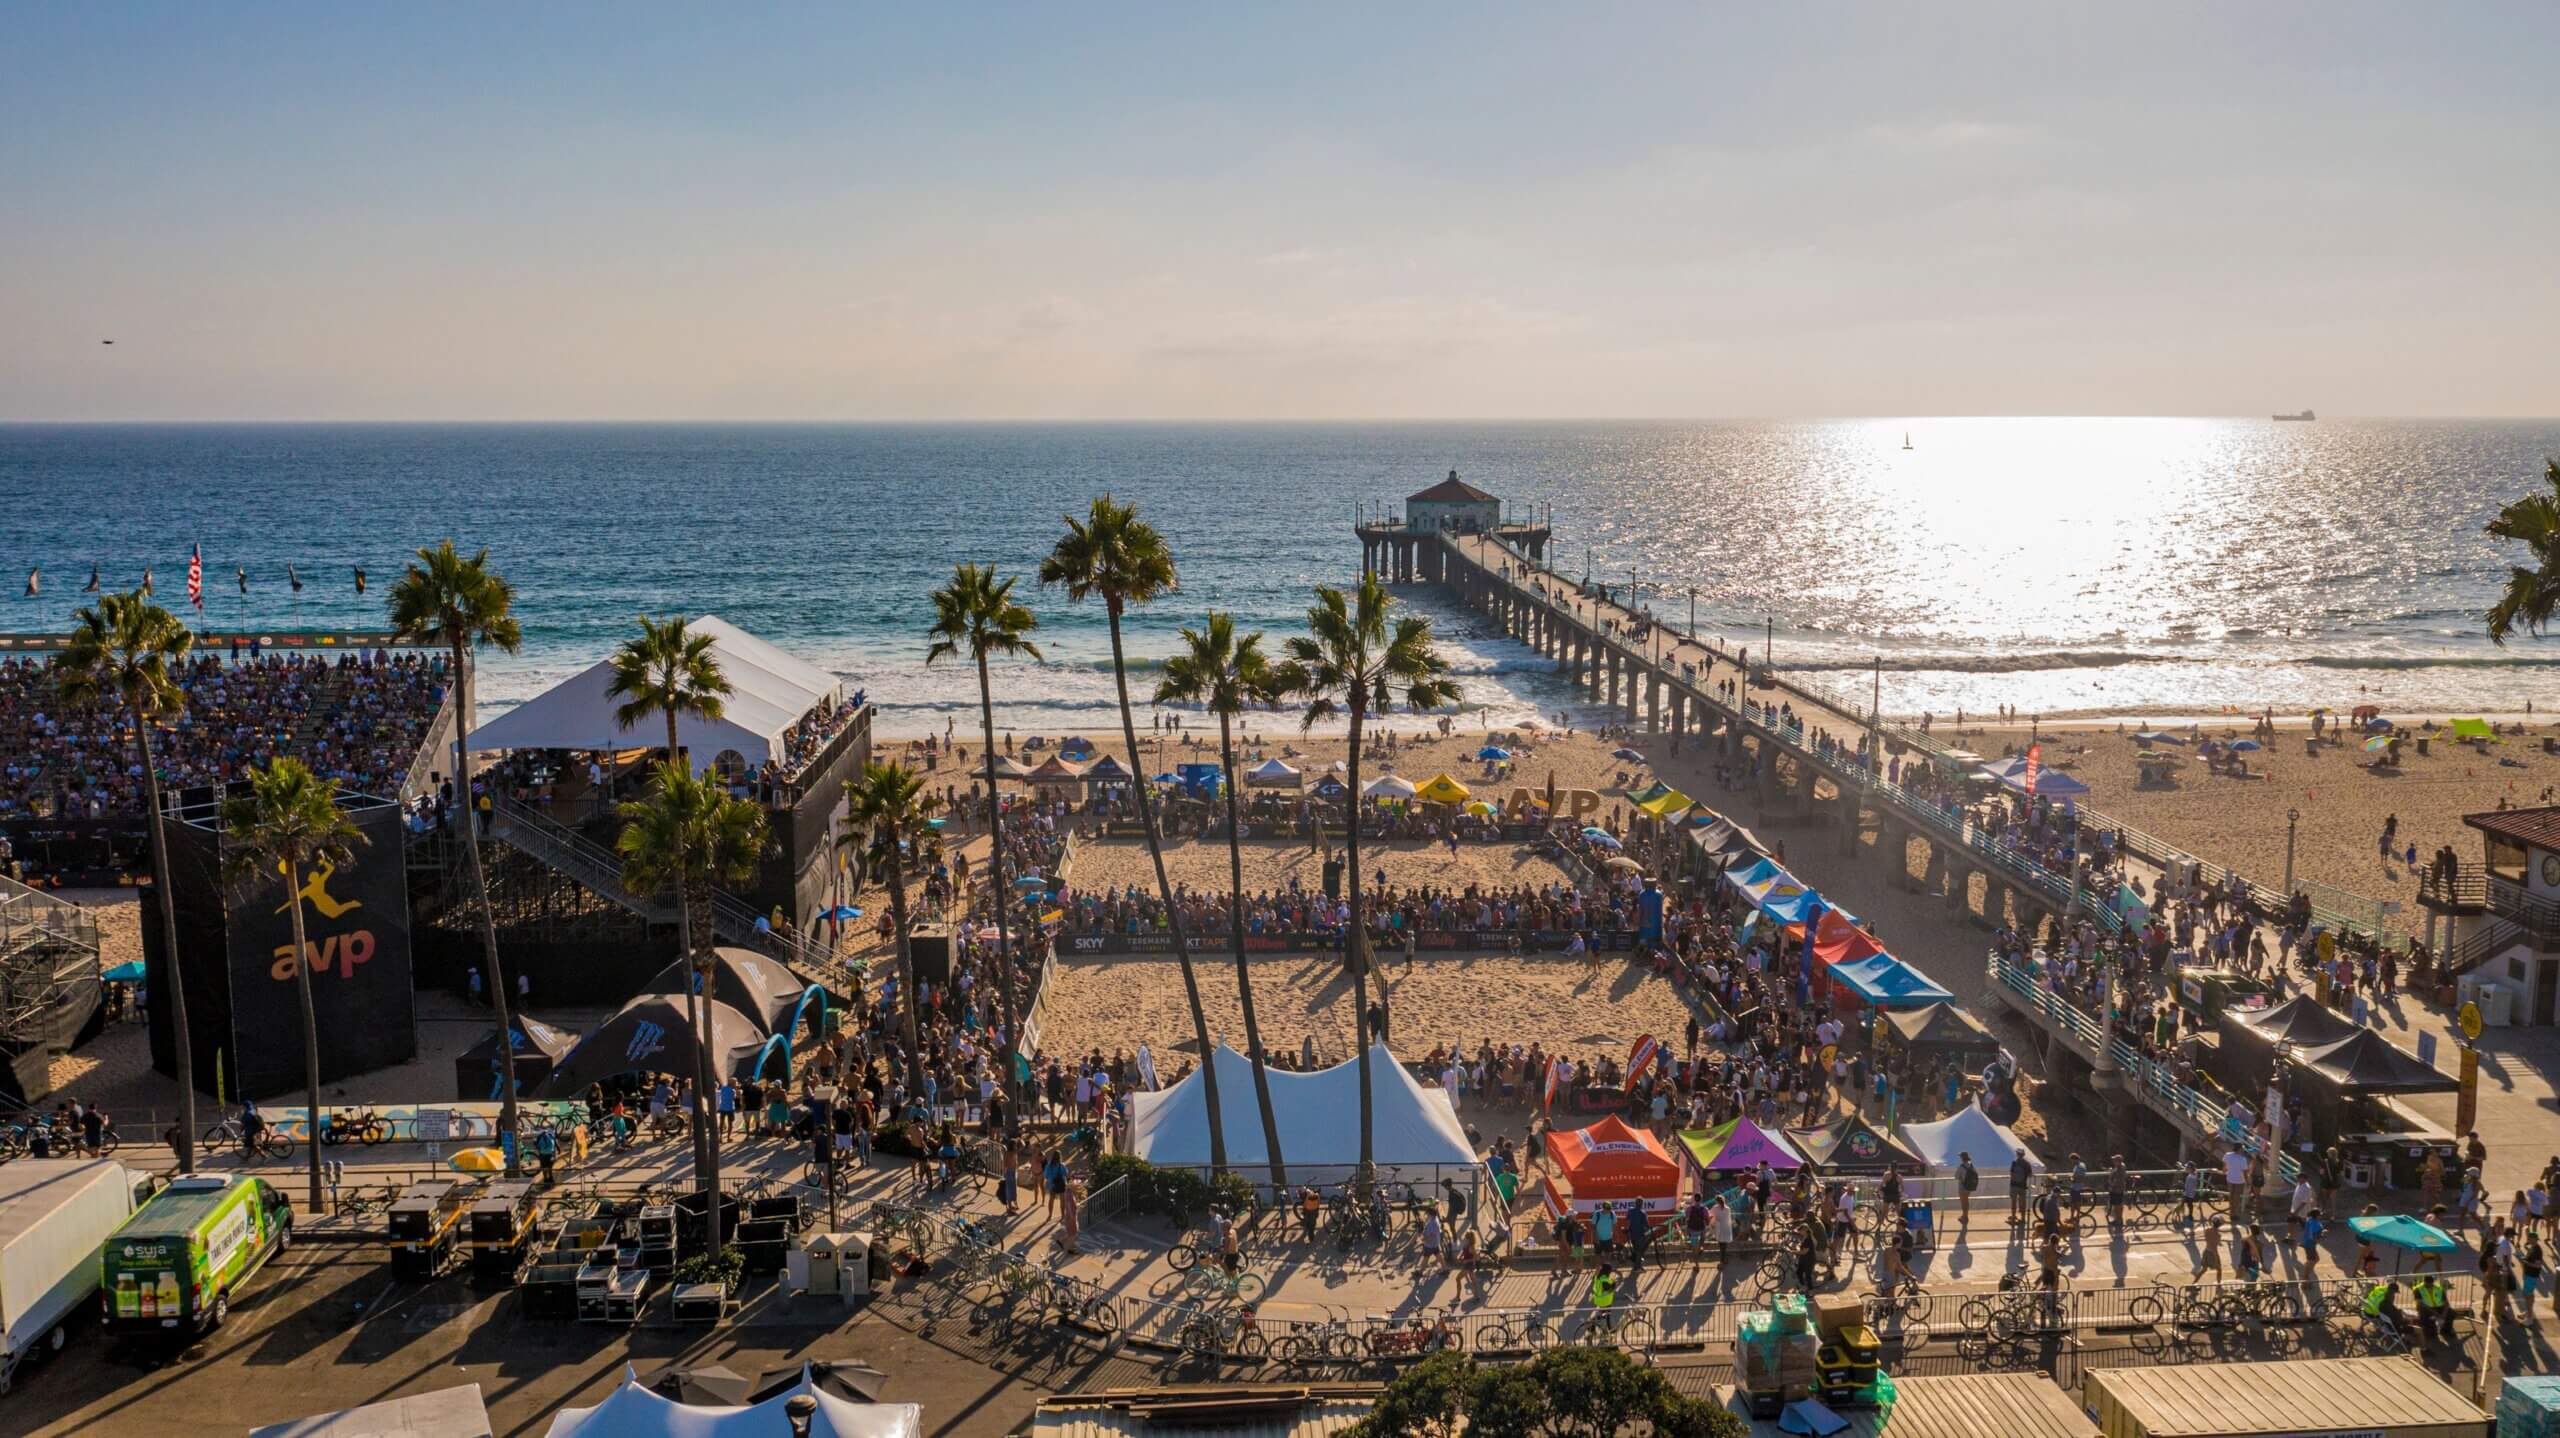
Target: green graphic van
178, 1260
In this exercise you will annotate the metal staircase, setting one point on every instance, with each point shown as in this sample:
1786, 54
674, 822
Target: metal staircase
599, 870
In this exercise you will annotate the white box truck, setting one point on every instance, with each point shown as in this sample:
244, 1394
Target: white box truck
55, 1213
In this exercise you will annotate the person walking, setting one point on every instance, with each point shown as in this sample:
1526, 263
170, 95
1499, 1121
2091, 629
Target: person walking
1967, 1180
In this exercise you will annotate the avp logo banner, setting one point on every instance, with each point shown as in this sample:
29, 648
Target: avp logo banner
343, 952
647, 1039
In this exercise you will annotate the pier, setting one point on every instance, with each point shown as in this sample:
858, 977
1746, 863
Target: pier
1812, 760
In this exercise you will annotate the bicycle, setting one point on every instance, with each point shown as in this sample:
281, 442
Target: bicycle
1242, 1285
1902, 1313
363, 1126
1317, 1345
1214, 1335
270, 1145
1616, 1328
1418, 1335
365, 1202
1070, 1301
1525, 1332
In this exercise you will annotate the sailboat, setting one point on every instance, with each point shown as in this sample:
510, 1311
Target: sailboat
1906, 439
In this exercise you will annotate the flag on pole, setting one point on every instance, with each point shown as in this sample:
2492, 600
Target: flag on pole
293, 579
359, 578
2035, 762
243, 572
1642, 1056
195, 576
146, 580
93, 580
1555, 1081
34, 579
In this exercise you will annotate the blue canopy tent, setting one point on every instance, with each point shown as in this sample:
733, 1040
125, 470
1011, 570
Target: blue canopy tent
1883, 981
1775, 892
2051, 783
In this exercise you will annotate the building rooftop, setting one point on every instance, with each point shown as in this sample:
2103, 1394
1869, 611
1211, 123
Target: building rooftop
2536, 828
1453, 490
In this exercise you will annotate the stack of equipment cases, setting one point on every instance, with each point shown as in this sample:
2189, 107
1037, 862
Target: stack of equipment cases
658, 1239
2529, 1407
764, 1236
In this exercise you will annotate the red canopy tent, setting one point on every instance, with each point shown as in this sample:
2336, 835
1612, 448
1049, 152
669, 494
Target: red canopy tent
1612, 1163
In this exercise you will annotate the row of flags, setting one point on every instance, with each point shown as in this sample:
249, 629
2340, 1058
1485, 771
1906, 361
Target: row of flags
195, 578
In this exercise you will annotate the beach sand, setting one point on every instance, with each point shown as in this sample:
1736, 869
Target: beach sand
2240, 823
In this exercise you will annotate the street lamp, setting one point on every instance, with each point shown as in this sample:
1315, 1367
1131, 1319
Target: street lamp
2292, 818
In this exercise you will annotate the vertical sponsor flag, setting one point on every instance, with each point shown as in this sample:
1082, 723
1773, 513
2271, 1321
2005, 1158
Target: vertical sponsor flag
359, 578
35, 579
2035, 763
1642, 1056
1555, 1081
93, 581
195, 576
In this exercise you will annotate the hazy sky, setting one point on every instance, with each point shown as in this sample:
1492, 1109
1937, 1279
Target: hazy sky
1374, 210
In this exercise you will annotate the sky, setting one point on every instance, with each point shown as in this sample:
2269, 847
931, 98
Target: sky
1418, 210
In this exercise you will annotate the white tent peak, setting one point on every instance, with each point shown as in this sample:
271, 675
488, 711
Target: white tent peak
1968, 1130
1416, 1135
633, 1410
770, 690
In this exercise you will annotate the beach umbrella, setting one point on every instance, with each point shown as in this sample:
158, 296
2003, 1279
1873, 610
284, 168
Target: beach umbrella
1601, 837
1624, 865
479, 1160
1493, 751
2374, 725
2377, 743
2244, 746
1168, 778
2403, 1232
1630, 755
1480, 808
841, 913
2155, 736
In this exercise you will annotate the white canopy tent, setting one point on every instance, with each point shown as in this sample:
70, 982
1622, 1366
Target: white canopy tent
1273, 772
1417, 1136
769, 692
1389, 786
1968, 1130
633, 1411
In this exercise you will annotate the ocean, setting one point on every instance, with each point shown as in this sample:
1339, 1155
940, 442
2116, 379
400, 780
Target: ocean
2064, 566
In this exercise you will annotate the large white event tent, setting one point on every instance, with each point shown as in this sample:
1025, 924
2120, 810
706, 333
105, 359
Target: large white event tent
633, 1411
1416, 1133
769, 691
1968, 1130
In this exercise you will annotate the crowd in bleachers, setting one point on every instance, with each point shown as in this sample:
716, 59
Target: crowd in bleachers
354, 718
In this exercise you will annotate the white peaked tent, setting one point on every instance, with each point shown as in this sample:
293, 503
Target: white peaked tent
633, 1411
1968, 1130
769, 691
1272, 771
1388, 786
1417, 1135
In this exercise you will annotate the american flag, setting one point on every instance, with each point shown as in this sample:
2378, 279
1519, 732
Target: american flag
2035, 761
195, 576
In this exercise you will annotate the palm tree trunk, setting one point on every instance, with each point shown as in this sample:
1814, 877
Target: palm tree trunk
1005, 970
176, 997
1244, 967
673, 750
499, 996
310, 1028
1172, 911
906, 964
697, 1012
1355, 944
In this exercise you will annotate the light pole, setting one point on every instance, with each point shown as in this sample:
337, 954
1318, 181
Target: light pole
1693, 613
2292, 818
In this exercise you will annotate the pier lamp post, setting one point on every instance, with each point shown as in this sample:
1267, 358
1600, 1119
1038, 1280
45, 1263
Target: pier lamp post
1693, 612
2292, 819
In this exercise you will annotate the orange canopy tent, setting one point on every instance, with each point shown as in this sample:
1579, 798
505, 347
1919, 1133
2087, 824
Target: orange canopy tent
1612, 1163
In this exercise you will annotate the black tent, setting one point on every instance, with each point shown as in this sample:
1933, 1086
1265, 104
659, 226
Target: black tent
1941, 1027
745, 980
2301, 1021
478, 1076
650, 1035
1849, 1144
2366, 1062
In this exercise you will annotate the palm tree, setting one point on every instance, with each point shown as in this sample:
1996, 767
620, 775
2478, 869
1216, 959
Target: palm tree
1358, 658
1227, 675
121, 653
288, 819
685, 836
666, 671
1113, 553
463, 605
881, 808
2532, 595
975, 614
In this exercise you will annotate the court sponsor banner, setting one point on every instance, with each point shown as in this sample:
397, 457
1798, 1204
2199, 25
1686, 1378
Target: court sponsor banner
355, 919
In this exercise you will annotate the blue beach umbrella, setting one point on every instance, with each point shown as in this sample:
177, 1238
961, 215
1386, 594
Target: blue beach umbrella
2245, 746
842, 913
2403, 1232
1601, 837
1630, 755
1493, 751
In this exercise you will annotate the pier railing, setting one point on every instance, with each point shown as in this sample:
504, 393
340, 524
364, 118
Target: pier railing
2087, 1036
2334, 909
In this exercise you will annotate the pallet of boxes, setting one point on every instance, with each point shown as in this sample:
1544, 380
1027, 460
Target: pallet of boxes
1773, 1355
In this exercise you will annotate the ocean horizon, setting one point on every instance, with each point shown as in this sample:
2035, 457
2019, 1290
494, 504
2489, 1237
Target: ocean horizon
2066, 566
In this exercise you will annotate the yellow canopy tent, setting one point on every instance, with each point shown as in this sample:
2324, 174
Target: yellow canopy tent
1442, 790
2474, 729
1666, 804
